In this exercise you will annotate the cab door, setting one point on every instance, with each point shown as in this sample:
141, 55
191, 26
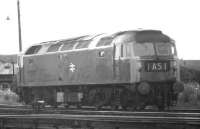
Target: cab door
135, 63
122, 65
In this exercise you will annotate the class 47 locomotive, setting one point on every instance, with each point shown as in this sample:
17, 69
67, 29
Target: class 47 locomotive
128, 69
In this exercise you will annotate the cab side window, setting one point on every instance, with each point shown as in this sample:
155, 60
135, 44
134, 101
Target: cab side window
127, 50
33, 50
117, 51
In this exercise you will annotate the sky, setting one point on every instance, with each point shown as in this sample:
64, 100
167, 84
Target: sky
45, 20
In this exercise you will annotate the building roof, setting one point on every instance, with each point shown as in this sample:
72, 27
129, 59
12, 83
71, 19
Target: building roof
8, 58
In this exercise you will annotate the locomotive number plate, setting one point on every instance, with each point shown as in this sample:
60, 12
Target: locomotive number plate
161, 66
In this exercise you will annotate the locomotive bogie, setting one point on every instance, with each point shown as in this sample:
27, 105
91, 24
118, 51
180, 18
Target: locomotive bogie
134, 96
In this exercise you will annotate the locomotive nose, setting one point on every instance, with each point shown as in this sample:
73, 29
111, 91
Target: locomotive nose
178, 87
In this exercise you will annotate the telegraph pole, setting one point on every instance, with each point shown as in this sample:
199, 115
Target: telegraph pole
20, 36
19, 26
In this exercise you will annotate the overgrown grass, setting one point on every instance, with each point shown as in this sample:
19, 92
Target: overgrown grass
8, 97
190, 97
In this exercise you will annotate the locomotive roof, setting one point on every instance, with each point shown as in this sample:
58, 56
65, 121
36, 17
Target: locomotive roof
142, 36
56, 41
102, 40
139, 36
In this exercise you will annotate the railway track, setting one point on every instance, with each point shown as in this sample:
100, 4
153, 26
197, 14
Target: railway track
17, 109
82, 120
110, 118
26, 117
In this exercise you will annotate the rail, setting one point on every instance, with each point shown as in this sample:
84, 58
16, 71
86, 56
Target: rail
26, 117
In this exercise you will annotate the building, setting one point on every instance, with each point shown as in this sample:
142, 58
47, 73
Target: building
8, 69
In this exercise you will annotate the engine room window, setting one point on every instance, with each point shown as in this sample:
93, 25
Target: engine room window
53, 48
104, 41
143, 49
83, 44
33, 50
68, 46
165, 49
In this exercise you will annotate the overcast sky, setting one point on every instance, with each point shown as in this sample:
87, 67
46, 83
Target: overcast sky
44, 20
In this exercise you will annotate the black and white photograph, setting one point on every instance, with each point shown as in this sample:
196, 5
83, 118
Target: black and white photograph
99, 64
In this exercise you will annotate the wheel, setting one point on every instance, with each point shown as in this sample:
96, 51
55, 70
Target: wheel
99, 97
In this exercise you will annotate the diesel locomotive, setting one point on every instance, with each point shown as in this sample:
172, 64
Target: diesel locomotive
128, 69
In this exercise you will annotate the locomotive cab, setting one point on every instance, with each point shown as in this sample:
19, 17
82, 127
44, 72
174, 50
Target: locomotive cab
150, 59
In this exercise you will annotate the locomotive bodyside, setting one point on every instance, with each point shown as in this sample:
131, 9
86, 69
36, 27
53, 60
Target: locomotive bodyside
128, 69
82, 67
